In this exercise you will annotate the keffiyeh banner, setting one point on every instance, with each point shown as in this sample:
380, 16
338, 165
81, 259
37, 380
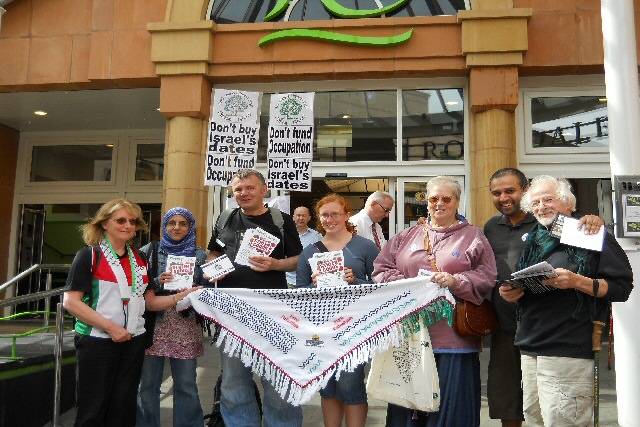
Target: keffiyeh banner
298, 338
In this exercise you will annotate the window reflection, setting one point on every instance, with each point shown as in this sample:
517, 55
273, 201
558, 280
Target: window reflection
432, 124
578, 121
71, 163
235, 11
349, 126
149, 162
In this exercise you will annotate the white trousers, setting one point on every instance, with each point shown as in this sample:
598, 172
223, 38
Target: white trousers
557, 391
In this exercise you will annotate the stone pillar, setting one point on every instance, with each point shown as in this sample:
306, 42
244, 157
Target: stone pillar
181, 49
494, 38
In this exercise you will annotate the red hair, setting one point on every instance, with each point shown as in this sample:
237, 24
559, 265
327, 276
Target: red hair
334, 198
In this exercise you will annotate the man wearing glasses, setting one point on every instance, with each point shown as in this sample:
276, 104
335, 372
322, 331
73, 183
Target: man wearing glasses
367, 222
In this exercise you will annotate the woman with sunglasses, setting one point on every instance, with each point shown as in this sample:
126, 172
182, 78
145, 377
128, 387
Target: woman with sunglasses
176, 336
107, 295
347, 397
459, 258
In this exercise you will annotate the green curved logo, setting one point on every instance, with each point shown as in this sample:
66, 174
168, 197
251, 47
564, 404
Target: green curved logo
336, 9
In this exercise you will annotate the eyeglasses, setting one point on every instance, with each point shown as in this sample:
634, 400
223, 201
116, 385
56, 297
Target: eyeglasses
175, 224
435, 199
123, 221
544, 201
383, 208
332, 215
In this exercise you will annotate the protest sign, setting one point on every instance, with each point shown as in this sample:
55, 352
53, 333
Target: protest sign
232, 139
182, 268
218, 267
330, 268
290, 141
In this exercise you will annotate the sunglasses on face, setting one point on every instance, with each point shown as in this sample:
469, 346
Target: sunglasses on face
444, 199
123, 221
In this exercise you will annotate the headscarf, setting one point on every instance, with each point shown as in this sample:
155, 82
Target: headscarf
186, 246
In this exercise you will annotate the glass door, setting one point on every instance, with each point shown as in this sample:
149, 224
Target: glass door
411, 200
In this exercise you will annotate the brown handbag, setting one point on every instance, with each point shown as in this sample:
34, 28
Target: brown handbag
475, 320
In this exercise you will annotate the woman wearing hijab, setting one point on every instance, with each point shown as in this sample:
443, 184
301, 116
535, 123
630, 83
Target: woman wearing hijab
176, 336
108, 292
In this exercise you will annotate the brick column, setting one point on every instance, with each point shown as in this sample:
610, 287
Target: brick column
494, 38
181, 50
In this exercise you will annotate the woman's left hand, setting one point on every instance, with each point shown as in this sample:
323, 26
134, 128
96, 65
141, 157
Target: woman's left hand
444, 280
348, 275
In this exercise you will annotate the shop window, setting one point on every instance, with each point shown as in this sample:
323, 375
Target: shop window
566, 124
349, 126
236, 11
149, 162
432, 124
55, 163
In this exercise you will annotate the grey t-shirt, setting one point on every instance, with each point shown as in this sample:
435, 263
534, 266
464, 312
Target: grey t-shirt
359, 254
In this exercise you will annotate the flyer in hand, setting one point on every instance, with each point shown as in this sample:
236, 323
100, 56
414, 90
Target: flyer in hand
531, 278
218, 267
256, 242
330, 268
182, 268
566, 229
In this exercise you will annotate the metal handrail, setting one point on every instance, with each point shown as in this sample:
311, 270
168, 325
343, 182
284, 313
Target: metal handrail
59, 331
30, 270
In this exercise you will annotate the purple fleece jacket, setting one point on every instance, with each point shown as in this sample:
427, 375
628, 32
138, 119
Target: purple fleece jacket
461, 250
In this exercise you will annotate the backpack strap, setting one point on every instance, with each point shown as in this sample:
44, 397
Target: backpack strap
278, 220
223, 219
95, 258
321, 246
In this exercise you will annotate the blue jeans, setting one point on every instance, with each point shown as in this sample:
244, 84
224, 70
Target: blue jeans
187, 411
238, 402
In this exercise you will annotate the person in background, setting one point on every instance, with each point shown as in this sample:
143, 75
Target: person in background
177, 336
555, 328
238, 404
459, 258
507, 232
347, 397
108, 291
367, 222
308, 236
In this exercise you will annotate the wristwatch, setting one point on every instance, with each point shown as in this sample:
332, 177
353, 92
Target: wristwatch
596, 286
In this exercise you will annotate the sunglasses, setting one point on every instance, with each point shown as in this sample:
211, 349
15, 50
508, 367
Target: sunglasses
435, 199
123, 221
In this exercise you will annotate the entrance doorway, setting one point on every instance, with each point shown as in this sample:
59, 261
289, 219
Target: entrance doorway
355, 190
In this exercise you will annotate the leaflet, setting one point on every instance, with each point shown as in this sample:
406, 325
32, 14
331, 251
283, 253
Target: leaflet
218, 267
330, 268
256, 242
566, 228
531, 278
182, 268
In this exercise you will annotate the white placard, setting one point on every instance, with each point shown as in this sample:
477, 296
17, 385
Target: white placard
256, 242
290, 141
218, 267
182, 268
232, 138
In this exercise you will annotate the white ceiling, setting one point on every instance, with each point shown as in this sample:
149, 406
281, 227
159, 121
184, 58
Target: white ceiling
82, 110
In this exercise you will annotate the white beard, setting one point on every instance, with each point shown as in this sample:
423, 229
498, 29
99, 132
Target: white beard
546, 221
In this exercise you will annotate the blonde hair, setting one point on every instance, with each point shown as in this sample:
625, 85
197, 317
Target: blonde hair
92, 231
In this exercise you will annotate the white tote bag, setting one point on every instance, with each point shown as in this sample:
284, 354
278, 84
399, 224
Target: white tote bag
406, 375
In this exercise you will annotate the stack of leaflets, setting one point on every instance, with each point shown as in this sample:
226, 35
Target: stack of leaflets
531, 278
330, 268
182, 268
565, 228
217, 267
256, 242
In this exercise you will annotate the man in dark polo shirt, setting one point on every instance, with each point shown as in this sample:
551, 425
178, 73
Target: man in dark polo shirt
238, 404
507, 233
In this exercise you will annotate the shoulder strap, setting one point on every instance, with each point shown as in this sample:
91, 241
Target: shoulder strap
223, 219
153, 260
95, 258
278, 220
321, 246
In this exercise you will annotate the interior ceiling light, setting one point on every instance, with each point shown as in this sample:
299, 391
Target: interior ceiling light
40, 113
346, 116
602, 99
109, 145
452, 102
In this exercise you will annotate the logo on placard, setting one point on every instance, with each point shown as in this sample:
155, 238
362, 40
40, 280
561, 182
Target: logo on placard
235, 106
291, 110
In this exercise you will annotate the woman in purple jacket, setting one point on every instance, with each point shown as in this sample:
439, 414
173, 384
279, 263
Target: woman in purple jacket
462, 260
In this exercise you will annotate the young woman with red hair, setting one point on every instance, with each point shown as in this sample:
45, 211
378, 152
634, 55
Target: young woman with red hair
347, 397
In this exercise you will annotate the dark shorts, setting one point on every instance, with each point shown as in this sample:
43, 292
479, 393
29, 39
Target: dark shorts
459, 375
350, 389
504, 383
